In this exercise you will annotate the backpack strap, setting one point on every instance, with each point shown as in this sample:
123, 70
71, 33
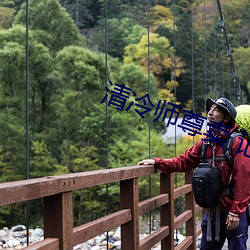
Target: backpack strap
217, 207
227, 149
203, 152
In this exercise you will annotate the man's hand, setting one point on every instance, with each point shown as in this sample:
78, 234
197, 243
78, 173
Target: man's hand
232, 221
146, 162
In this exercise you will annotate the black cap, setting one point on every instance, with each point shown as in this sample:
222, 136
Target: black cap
223, 103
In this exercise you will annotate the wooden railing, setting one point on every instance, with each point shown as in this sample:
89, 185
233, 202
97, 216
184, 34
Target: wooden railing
56, 192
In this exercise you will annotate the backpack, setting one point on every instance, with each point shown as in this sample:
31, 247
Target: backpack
206, 179
206, 183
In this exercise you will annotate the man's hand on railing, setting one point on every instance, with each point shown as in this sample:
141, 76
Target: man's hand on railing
146, 162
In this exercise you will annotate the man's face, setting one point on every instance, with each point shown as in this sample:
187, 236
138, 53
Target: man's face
215, 114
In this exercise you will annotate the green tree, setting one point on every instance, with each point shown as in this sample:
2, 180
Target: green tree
237, 20
161, 57
42, 163
6, 17
84, 13
53, 25
117, 32
13, 148
241, 56
133, 76
13, 60
12, 108
161, 16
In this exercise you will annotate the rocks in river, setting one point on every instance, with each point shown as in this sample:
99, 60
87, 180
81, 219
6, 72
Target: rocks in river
16, 238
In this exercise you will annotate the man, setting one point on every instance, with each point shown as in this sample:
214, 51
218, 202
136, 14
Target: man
233, 212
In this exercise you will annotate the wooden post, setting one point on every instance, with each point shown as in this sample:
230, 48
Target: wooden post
129, 197
190, 205
58, 219
167, 210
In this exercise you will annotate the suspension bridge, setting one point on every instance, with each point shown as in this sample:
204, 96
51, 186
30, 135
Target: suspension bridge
56, 192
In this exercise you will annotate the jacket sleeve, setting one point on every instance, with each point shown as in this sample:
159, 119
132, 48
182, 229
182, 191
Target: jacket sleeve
185, 162
241, 175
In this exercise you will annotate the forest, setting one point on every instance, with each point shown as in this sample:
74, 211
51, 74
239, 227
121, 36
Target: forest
58, 89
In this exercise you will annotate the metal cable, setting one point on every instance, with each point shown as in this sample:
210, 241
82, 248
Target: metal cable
106, 78
229, 84
205, 52
229, 54
192, 74
215, 53
222, 68
27, 207
175, 94
174, 75
77, 13
149, 142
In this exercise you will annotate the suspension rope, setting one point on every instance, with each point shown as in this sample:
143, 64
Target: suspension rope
174, 74
192, 72
27, 89
174, 79
215, 52
27, 207
205, 51
229, 83
77, 13
221, 68
107, 125
175, 94
229, 54
223, 79
149, 142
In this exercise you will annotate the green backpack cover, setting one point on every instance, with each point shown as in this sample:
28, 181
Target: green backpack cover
243, 117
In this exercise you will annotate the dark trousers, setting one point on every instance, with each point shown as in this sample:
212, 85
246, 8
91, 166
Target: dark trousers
237, 238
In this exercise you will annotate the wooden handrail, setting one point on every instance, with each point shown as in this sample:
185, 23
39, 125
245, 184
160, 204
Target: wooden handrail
90, 230
51, 244
24, 190
58, 208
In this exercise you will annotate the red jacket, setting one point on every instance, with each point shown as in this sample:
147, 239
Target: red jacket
241, 169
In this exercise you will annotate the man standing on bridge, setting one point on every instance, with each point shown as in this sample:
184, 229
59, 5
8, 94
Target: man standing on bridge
233, 208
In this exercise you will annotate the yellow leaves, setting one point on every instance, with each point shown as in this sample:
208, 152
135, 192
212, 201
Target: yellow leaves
187, 141
161, 12
165, 93
179, 66
194, 139
209, 15
161, 16
171, 85
6, 17
160, 53
189, 105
